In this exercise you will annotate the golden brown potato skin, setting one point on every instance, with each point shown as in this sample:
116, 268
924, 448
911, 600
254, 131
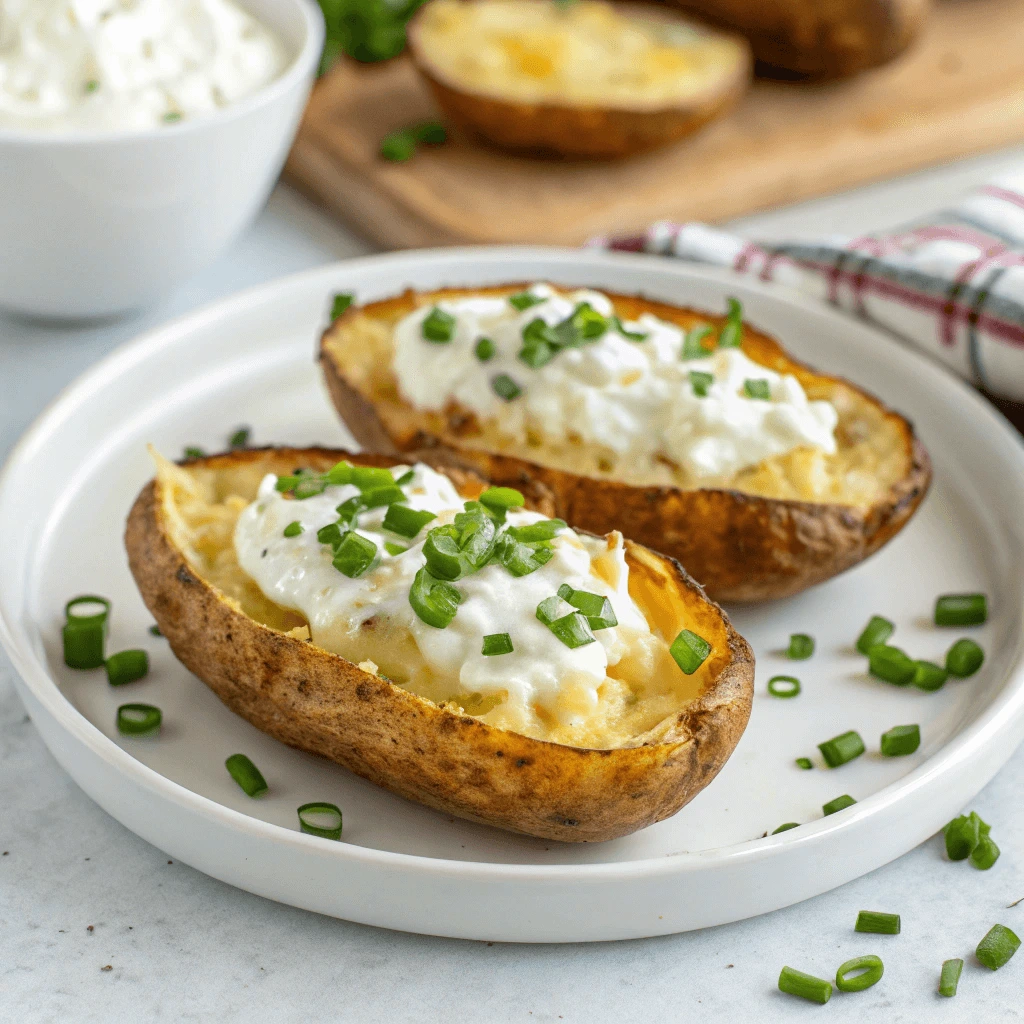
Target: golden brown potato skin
819, 38
574, 132
741, 547
319, 702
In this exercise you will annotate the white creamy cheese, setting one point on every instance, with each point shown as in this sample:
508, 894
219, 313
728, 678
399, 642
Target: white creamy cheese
118, 65
297, 573
635, 399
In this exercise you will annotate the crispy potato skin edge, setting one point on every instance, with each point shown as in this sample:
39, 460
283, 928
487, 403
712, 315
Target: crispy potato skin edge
741, 547
319, 702
571, 131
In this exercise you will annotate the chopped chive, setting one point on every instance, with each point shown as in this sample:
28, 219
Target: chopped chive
192, 452
371, 478
572, 630
320, 819
877, 631
805, 763
985, 854
433, 133
83, 644
784, 686
877, 923
801, 647
354, 555
348, 511
544, 529
92, 85
524, 300
505, 387
443, 553
841, 749
405, 521
690, 651
329, 534
538, 348
731, 334
637, 336
309, 486
552, 608
434, 601
339, 303
283, 484
521, 559
501, 499
759, 388
378, 497
860, 973
786, 827
701, 382
963, 834
997, 947
484, 349
340, 473
892, 665
693, 344
127, 667
839, 804
406, 478
806, 986
240, 437
172, 115
155, 631
961, 610
949, 978
138, 719
597, 609
87, 609
394, 549
901, 740
964, 658
928, 676
246, 774
438, 326
497, 643
398, 146
294, 528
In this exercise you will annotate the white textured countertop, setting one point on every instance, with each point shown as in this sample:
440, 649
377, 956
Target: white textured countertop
96, 925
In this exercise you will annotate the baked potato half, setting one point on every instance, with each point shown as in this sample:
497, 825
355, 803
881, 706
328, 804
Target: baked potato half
818, 38
259, 659
767, 531
588, 79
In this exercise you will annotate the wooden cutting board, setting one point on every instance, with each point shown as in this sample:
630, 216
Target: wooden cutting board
960, 90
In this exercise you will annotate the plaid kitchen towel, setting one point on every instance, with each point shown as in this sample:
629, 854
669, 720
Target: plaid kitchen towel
952, 284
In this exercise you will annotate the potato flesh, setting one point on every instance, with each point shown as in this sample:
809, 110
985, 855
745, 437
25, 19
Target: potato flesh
585, 54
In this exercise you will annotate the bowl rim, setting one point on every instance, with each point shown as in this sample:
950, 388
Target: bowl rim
302, 64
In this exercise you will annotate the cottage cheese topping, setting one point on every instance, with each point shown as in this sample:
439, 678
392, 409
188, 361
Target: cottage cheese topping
635, 399
370, 617
118, 65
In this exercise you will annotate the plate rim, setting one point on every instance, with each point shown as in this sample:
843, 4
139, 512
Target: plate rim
1001, 714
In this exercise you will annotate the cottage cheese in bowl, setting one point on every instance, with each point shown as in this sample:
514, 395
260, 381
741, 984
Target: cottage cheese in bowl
123, 65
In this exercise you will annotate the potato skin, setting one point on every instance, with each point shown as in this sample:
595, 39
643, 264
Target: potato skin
574, 132
319, 702
741, 547
818, 38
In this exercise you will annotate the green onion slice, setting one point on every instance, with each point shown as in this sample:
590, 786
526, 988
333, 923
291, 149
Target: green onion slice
961, 610
801, 647
505, 387
859, 973
484, 349
501, 499
693, 344
805, 763
572, 630
806, 986
552, 608
354, 554
497, 643
193, 452
928, 676
293, 529
597, 609
398, 146
786, 827
901, 740
839, 804
394, 549
329, 534
892, 665
406, 478
841, 749
378, 497
759, 389
627, 334
701, 382
434, 601
246, 774
340, 473
155, 631
731, 334
544, 529
405, 521
997, 947
784, 686
320, 819
964, 658
877, 923
339, 303
521, 559
240, 438
138, 719
524, 300
537, 350
985, 854
949, 978
438, 326
87, 608
84, 644
348, 511
877, 631
690, 651
371, 478
433, 133
963, 834
127, 667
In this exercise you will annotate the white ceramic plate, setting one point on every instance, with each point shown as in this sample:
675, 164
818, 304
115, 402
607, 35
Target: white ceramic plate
68, 485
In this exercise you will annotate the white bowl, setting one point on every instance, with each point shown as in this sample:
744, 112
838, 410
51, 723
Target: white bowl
95, 224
